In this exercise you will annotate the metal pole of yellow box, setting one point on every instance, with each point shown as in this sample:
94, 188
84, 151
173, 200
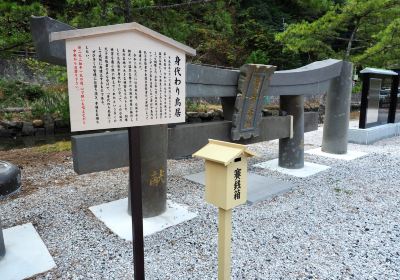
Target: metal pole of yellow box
226, 187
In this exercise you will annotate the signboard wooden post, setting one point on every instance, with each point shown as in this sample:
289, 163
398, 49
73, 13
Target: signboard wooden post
226, 187
125, 75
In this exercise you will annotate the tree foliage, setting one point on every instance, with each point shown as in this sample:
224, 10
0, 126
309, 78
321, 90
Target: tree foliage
363, 31
386, 51
14, 23
285, 33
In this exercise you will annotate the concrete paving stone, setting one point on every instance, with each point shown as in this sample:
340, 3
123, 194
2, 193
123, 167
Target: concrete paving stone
26, 254
309, 168
115, 216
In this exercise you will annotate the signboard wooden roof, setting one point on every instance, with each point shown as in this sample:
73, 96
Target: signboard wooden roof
132, 26
222, 152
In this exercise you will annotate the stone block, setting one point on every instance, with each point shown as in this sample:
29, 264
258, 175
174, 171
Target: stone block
27, 129
5, 132
11, 124
49, 129
40, 131
37, 123
371, 135
103, 151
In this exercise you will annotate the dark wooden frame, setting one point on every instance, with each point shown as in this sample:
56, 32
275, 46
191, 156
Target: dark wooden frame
364, 97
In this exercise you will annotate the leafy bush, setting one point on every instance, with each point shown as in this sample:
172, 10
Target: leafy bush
51, 100
258, 57
357, 87
53, 73
18, 94
32, 92
54, 104
193, 106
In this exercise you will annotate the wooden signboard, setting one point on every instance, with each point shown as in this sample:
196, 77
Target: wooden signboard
125, 75
122, 76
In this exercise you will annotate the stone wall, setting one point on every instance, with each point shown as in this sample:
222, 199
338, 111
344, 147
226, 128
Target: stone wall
17, 69
45, 127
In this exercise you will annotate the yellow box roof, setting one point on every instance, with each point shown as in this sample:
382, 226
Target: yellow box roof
222, 152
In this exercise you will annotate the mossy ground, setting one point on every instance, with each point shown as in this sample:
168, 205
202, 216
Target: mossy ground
60, 146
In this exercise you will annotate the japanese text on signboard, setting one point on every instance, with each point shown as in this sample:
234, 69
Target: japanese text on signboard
122, 87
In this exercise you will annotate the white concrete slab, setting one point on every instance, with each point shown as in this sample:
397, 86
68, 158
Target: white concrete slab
26, 254
115, 216
308, 169
350, 155
259, 187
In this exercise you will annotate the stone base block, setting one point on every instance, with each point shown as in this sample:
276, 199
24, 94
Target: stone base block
308, 169
26, 254
259, 187
115, 216
371, 135
350, 155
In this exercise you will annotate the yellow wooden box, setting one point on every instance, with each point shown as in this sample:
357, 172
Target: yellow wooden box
226, 173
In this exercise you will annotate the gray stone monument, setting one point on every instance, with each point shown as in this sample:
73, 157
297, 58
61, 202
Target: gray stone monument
201, 81
337, 112
154, 165
41, 27
328, 76
291, 150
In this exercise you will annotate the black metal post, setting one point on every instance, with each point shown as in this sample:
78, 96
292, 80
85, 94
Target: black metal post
393, 99
136, 200
364, 100
2, 245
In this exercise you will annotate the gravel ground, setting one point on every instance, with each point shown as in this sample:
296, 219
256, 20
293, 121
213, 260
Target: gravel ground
342, 223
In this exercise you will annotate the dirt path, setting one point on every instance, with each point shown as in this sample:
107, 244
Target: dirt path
29, 157
39, 169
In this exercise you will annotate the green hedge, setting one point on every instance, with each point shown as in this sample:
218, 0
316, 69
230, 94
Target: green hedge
43, 100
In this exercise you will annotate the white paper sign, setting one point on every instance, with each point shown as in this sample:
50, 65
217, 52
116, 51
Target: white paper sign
124, 79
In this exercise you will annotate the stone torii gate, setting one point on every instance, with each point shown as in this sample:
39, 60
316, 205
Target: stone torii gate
107, 150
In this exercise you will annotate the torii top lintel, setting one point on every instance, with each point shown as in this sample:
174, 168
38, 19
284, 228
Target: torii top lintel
132, 26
